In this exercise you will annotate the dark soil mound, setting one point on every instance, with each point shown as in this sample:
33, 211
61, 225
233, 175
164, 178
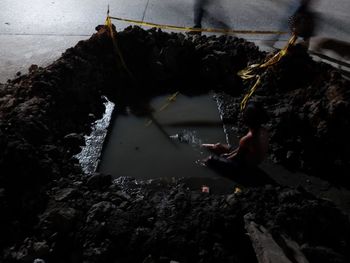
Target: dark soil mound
86, 222
309, 108
51, 210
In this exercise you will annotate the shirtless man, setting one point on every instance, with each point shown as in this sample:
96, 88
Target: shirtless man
252, 149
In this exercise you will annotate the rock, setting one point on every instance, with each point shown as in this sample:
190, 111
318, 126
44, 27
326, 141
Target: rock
29, 251
7, 102
51, 150
99, 180
100, 211
41, 249
149, 259
73, 141
291, 195
65, 194
123, 195
33, 68
335, 93
62, 219
231, 199
322, 254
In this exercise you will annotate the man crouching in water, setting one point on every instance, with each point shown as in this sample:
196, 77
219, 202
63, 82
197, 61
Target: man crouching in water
252, 149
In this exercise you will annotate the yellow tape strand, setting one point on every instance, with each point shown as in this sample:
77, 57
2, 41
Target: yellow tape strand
245, 74
249, 72
209, 30
250, 93
170, 99
108, 23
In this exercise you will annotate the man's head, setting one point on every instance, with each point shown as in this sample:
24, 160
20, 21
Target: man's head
254, 115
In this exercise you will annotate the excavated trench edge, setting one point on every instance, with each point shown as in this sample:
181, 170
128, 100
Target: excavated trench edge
57, 196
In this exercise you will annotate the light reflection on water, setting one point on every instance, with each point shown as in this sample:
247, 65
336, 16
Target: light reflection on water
91, 152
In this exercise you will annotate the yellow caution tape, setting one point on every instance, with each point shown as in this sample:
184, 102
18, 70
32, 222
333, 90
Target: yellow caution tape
249, 72
169, 100
245, 74
108, 23
250, 93
209, 30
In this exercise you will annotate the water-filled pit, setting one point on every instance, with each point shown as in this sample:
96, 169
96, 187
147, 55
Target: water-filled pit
169, 145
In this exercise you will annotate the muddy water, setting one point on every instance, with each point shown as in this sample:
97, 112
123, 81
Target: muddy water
169, 146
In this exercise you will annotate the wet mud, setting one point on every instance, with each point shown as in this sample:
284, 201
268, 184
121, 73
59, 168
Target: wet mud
52, 210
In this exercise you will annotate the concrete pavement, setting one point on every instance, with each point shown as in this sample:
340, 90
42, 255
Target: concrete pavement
38, 31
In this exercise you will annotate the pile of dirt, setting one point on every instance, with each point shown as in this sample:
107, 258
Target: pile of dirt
52, 210
95, 220
43, 118
309, 108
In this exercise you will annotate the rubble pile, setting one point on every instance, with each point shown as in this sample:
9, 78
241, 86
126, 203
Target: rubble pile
51, 210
